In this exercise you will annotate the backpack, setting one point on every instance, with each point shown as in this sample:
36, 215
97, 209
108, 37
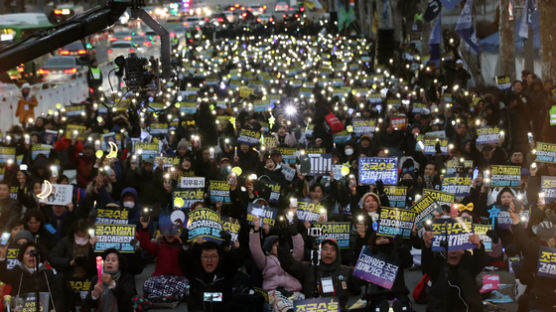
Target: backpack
334, 123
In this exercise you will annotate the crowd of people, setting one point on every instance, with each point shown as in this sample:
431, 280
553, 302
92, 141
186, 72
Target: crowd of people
245, 111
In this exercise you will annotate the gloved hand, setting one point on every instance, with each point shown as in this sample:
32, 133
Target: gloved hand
226, 237
379, 187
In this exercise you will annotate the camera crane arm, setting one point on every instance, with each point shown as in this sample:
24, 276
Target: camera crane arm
79, 26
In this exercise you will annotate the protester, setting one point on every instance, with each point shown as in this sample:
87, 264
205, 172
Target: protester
26, 105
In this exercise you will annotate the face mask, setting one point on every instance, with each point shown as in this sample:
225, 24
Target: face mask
129, 204
81, 241
349, 152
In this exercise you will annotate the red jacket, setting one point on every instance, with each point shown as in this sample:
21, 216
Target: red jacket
166, 254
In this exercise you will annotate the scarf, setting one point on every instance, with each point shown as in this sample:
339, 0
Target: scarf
107, 299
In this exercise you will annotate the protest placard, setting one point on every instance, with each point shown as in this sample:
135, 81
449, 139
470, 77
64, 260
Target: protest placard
324, 304
146, 150
341, 137
50, 136
30, 301
503, 218
398, 122
231, 226
75, 132
339, 231
455, 165
487, 135
183, 199
548, 187
270, 142
219, 191
441, 198
61, 195
503, 82
546, 152
267, 214
80, 287
288, 172
316, 164
75, 110
118, 236
481, 230
11, 257
249, 137
166, 161
116, 138
187, 107
372, 169
192, 182
428, 143
375, 269
40, 149
418, 107
502, 176
204, 223
289, 154
458, 185
308, 211
7, 153
546, 265
396, 195
109, 215
458, 231
363, 126
395, 222
275, 189
424, 209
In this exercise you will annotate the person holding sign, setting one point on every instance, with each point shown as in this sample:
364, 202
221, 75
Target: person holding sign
274, 277
116, 287
31, 275
395, 253
453, 277
539, 252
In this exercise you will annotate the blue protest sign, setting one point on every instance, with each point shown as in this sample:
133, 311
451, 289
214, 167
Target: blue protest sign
372, 169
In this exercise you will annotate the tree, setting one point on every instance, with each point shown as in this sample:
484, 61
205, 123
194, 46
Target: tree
547, 29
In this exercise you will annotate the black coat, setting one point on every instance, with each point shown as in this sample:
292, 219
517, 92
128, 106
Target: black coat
220, 281
456, 290
123, 292
62, 254
45, 280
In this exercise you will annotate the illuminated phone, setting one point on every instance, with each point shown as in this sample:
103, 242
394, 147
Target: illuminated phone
4, 239
475, 173
212, 297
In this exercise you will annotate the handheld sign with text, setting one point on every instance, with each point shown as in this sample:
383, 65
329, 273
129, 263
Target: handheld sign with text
481, 230
441, 198
109, 215
548, 186
459, 186
40, 149
118, 236
192, 182
288, 172
324, 304
267, 214
395, 222
375, 269
146, 150
204, 223
396, 195
231, 226
7, 153
487, 135
363, 126
503, 218
249, 137
339, 231
183, 199
274, 191
503, 82
30, 301
316, 164
429, 144
458, 231
502, 176
289, 154
372, 169
546, 265
546, 152
307, 211
61, 195
219, 191
424, 209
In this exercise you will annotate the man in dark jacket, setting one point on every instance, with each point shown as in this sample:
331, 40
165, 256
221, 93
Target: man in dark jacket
10, 209
329, 269
211, 273
453, 279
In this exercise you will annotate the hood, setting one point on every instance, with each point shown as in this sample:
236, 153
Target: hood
333, 266
132, 191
